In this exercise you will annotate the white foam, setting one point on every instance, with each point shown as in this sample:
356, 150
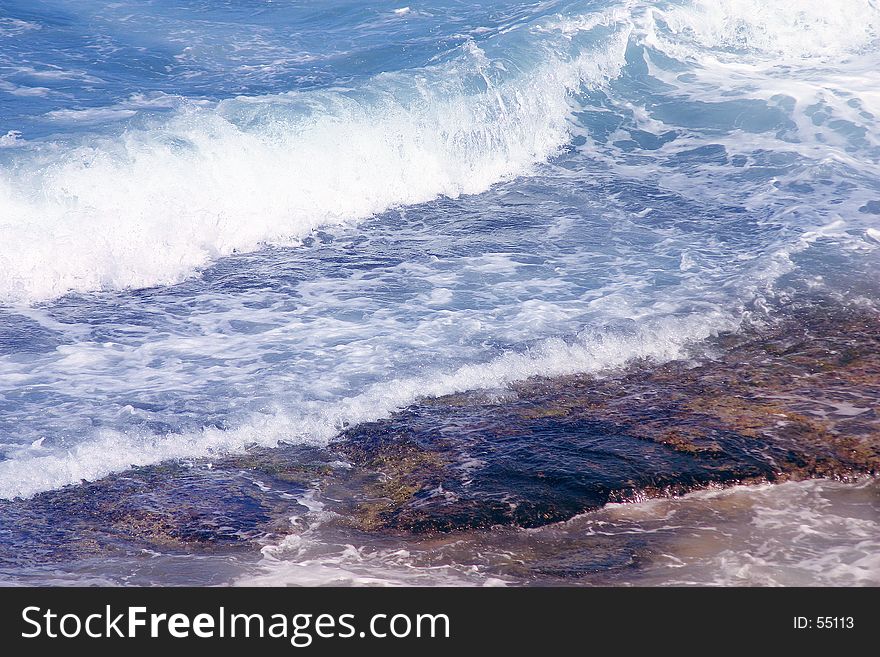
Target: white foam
786, 28
22, 90
11, 139
154, 205
812, 533
30, 471
90, 115
794, 29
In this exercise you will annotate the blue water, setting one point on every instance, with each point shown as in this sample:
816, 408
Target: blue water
253, 221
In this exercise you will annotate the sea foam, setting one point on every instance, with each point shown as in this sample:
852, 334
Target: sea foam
784, 28
37, 469
154, 204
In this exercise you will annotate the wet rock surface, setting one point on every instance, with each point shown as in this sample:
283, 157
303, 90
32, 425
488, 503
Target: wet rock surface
171, 507
793, 400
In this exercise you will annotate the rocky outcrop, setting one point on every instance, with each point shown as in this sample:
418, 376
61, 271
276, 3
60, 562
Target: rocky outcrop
795, 399
791, 400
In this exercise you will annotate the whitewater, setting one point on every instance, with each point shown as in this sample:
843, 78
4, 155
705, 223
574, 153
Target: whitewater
263, 223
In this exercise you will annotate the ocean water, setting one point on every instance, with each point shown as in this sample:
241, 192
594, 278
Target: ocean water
254, 222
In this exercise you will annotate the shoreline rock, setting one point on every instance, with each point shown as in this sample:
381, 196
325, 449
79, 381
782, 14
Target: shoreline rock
792, 400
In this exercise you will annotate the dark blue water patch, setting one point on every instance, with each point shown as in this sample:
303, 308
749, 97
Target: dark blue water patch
669, 209
109, 319
799, 187
708, 154
20, 334
871, 207
748, 115
651, 142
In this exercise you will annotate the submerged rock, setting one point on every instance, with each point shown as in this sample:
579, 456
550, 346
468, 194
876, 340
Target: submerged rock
172, 507
796, 399
792, 400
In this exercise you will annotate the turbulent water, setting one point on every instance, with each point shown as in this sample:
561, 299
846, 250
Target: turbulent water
253, 222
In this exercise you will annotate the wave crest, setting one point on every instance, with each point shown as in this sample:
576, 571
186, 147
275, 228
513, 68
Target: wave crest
154, 205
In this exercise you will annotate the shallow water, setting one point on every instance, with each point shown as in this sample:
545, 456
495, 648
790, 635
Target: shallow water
816, 533
813, 533
235, 224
